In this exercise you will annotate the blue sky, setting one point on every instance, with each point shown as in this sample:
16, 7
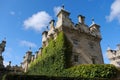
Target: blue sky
22, 22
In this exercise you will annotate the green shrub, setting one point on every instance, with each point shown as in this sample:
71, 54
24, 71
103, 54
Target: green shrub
91, 71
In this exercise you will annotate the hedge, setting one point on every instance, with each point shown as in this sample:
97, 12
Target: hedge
91, 71
38, 77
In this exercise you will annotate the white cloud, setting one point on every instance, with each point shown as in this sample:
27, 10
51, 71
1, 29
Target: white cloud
28, 44
37, 21
5, 63
115, 11
57, 9
12, 13
8, 52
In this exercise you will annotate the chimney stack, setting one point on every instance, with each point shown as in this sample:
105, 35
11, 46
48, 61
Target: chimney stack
52, 24
81, 19
118, 46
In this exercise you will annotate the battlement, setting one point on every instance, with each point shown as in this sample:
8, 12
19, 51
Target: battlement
64, 21
114, 56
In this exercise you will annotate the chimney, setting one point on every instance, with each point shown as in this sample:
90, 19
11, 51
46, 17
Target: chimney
118, 46
81, 19
9, 63
52, 24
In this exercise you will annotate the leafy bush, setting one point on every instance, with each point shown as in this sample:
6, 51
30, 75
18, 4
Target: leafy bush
38, 77
91, 71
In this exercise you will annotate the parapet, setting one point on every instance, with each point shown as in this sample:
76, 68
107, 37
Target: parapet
64, 21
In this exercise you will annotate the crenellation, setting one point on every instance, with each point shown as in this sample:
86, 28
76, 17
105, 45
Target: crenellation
81, 19
114, 56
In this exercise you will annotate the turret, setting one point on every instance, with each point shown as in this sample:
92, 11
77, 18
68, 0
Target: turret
63, 19
52, 29
44, 37
28, 56
2, 46
40, 51
95, 29
32, 57
27, 60
36, 54
63, 13
81, 19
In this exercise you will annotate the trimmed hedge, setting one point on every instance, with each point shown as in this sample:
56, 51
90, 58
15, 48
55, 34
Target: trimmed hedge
36, 77
91, 71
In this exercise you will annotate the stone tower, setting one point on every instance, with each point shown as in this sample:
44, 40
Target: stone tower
2, 48
85, 39
27, 60
114, 56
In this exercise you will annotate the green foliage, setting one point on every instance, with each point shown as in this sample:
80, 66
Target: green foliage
3, 77
55, 61
55, 57
91, 71
39, 77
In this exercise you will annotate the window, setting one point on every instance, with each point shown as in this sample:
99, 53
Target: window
75, 42
91, 45
93, 59
76, 58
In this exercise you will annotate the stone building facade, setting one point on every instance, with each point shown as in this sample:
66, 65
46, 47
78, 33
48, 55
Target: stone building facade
85, 39
114, 56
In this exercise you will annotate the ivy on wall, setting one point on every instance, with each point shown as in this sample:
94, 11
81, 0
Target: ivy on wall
55, 57
56, 61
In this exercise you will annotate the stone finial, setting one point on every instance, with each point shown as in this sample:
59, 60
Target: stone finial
63, 6
81, 19
93, 22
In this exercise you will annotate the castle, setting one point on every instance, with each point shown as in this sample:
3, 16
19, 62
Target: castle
84, 39
114, 56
